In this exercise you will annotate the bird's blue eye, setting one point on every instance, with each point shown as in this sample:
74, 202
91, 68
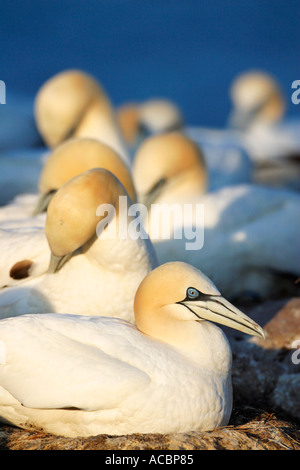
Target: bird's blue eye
192, 293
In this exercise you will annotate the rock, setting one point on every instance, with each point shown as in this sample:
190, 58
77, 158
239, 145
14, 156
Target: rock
286, 394
283, 329
268, 371
254, 373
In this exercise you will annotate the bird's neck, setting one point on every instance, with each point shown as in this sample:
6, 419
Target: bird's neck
202, 343
99, 122
114, 248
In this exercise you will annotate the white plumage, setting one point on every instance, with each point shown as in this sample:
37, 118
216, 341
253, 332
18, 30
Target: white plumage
22, 222
227, 160
25, 245
74, 104
251, 233
80, 376
101, 261
271, 139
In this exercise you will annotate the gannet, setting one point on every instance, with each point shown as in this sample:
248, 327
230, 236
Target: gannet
73, 157
72, 103
66, 160
89, 256
259, 144
258, 115
256, 97
247, 235
22, 223
169, 167
82, 376
152, 116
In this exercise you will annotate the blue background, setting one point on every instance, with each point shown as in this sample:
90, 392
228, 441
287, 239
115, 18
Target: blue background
186, 50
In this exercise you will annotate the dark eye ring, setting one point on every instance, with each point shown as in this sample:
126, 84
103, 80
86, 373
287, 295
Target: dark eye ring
192, 293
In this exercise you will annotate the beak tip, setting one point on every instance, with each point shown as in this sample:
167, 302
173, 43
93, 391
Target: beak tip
257, 331
262, 333
219, 310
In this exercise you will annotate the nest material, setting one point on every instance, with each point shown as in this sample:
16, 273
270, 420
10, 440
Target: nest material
251, 429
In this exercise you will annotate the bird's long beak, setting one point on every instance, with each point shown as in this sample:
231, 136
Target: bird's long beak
218, 310
43, 202
57, 262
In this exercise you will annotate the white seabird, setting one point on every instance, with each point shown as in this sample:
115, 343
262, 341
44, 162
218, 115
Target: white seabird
89, 254
83, 376
152, 116
74, 104
66, 160
251, 233
22, 223
271, 138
